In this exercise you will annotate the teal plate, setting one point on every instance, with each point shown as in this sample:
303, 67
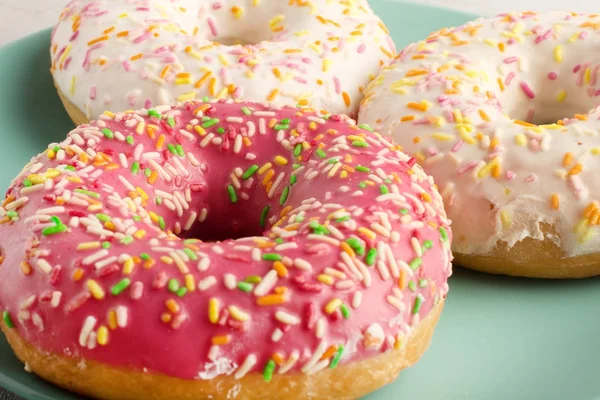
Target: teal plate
499, 337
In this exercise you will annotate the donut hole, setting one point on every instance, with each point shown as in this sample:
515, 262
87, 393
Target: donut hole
221, 229
548, 112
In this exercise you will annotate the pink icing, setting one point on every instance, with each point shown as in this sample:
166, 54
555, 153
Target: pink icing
325, 282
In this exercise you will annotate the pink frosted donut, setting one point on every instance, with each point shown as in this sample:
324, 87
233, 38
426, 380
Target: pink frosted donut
333, 263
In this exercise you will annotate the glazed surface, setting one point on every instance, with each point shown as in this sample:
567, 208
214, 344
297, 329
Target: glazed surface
119, 55
478, 107
343, 242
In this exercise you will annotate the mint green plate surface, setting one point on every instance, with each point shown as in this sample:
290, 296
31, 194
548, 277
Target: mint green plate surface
499, 338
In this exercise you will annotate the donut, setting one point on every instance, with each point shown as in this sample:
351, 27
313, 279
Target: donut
122, 55
497, 112
225, 249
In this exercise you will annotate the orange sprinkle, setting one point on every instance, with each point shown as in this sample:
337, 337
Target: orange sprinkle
346, 98
153, 177
278, 358
416, 72
523, 123
270, 300
166, 318
577, 168
329, 352
122, 33
112, 320
97, 40
273, 95
160, 141
402, 280
282, 271
501, 47
221, 339
501, 84
165, 71
173, 306
407, 118
77, 274
484, 115
581, 117
25, 267
567, 159
202, 80
109, 30
417, 106
136, 57
347, 249
268, 176
555, 202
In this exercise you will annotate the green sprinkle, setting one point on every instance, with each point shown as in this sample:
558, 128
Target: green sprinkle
418, 302
295, 167
158, 200
345, 311
428, 244
268, 372
388, 181
318, 229
220, 130
7, 320
383, 189
246, 111
362, 185
171, 121
285, 121
415, 263
27, 183
53, 230
153, 113
249, 172
343, 219
279, 241
404, 211
371, 256
12, 214
337, 357
360, 143
210, 122
271, 257
130, 140
293, 179
281, 127
108, 133
190, 254
137, 218
263, 216
333, 160
321, 153
443, 233
172, 149
423, 283
106, 245
232, 195
253, 279
147, 172
145, 256
56, 149
103, 217
356, 246
120, 287
297, 149
56, 220
126, 240
182, 292
366, 127
179, 150
190, 241
173, 285
161, 223
135, 168
412, 286
284, 195
300, 218
245, 286
88, 193
205, 99
360, 168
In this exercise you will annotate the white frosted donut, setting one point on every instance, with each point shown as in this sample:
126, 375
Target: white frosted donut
120, 55
476, 105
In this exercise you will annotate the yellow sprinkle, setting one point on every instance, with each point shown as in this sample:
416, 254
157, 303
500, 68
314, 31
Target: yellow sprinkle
190, 282
326, 279
588, 75
595, 150
166, 259
486, 169
458, 117
213, 310
95, 289
186, 96
505, 218
273, 94
73, 81
561, 96
264, 168
88, 246
128, 266
558, 54
279, 160
367, 232
465, 136
333, 305
238, 314
445, 137
102, 336
520, 139
326, 64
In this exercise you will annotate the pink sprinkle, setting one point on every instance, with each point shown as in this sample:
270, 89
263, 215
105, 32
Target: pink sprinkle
341, 44
457, 146
148, 104
509, 78
467, 167
93, 92
527, 90
576, 68
239, 92
597, 93
67, 62
595, 75
530, 178
142, 9
530, 115
449, 115
300, 79
511, 60
137, 289
583, 34
141, 38
217, 5
74, 36
552, 75
127, 65
510, 175
212, 26
338, 87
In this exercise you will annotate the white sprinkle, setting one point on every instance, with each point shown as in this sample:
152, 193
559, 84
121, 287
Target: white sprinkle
105, 262
203, 264
266, 284
16, 204
44, 265
237, 145
287, 318
323, 238
55, 300
395, 303
230, 281
302, 264
32, 189
320, 365
276, 335
320, 328
246, 366
319, 351
383, 270
207, 140
292, 360
190, 221
207, 283
357, 299
256, 254
122, 316
126, 183
88, 326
